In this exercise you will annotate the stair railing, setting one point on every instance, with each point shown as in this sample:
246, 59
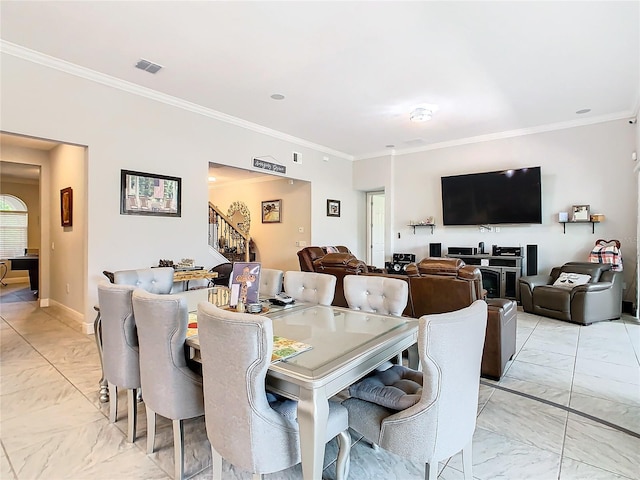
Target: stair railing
224, 236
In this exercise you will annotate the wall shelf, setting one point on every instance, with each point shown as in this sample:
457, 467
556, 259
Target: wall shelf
593, 225
414, 225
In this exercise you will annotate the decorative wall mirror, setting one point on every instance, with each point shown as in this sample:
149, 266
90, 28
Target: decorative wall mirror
240, 217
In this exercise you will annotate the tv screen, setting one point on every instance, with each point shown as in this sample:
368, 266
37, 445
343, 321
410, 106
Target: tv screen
508, 196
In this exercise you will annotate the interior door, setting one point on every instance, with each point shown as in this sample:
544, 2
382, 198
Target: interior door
375, 230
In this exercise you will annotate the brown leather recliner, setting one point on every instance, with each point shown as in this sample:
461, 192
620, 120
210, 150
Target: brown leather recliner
439, 285
339, 265
308, 255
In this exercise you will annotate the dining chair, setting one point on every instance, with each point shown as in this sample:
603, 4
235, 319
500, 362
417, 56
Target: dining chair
270, 282
121, 365
170, 387
437, 418
387, 296
243, 427
154, 280
310, 287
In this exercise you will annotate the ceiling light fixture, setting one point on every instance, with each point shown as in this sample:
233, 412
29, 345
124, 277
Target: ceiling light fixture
584, 110
277, 96
421, 114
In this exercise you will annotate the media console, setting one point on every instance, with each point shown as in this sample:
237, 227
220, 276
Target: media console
500, 274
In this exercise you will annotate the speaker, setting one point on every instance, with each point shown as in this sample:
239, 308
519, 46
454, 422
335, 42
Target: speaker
396, 267
461, 251
532, 259
404, 258
435, 249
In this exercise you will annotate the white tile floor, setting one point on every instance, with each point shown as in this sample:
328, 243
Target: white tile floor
52, 425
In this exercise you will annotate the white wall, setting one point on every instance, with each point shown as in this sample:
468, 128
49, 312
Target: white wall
127, 131
583, 165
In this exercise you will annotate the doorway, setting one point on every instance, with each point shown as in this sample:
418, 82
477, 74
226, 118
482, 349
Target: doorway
375, 228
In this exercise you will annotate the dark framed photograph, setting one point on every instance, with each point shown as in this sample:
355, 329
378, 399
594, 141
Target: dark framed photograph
150, 194
333, 208
66, 207
272, 211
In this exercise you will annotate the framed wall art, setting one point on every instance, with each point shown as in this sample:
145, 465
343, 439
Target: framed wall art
272, 211
150, 194
580, 213
66, 207
333, 208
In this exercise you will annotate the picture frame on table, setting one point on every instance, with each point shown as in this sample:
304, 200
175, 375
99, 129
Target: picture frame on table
580, 213
272, 211
150, 194
333, 208
66, 207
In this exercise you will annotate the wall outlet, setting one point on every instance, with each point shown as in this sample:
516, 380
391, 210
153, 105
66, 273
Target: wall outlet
301, 243
53, 246
68, 289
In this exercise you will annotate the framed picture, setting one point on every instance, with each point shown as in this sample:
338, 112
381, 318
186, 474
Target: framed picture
66, 207
333, 208
150, 194
272, 211
580, 213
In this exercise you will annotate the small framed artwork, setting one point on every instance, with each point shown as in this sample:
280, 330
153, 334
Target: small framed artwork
580, 213
333, 208
66, 207
272, 211
150, 194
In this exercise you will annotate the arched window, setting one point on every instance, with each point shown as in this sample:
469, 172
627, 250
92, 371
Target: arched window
13, 226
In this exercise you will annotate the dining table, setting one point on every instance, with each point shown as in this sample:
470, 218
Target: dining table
345, 346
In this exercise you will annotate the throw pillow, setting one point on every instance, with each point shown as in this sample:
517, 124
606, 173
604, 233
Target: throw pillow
569, 280
397, 388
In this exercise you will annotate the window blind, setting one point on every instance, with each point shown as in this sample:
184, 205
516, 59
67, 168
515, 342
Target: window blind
13, 233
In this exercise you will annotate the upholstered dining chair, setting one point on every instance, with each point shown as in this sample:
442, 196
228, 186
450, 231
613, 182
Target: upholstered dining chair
154, 280
120, 358
270, 282
170, 387
310, 287
437, 418
387, 296
243, 427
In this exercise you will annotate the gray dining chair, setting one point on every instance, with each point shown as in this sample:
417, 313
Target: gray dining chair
270, 282
119, 345
310, 287
170, 387
436, 419
243, 427
376, 294
155, 280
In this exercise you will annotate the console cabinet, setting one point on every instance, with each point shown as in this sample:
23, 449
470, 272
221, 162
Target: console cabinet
500, 274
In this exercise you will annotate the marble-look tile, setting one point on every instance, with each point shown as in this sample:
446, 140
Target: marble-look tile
6, 471
497, 457
620, 392
606, 370
24, 402
625, 416
20, 432
546, 359
602, 447
572, 470
527, 320
545, 392
522, 335
530, 372
131, 464
619, 352
524, 420
548, 343
28, 378
484, 394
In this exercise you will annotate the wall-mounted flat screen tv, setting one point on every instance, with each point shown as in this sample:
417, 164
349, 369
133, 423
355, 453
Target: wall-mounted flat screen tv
507, 196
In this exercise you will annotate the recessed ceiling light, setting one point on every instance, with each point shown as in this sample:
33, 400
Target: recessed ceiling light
277, 96
390, 146
212, 179
584, 110
421, 114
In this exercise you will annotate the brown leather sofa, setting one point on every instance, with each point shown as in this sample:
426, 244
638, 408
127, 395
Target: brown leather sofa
308, 255
439, 285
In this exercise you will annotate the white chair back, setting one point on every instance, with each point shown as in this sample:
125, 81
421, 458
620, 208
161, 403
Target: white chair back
377, 294
270, 282
310, 287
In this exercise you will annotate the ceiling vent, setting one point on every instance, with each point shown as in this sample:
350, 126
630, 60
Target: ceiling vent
148, 66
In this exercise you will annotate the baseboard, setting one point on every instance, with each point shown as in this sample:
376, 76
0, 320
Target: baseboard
76, 317
8, 280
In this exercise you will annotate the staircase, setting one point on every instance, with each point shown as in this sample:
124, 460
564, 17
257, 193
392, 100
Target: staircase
226, 239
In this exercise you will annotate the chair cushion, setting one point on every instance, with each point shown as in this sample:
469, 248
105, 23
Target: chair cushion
396, 388
569, 280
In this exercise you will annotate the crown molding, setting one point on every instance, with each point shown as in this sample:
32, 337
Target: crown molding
501, 135
88, 74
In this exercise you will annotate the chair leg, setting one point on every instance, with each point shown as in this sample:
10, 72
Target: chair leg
413, 357
178, 449
132, 414
216, 459
467, 461
113, 403
344, 455
257, 476
151, 429
431, 470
